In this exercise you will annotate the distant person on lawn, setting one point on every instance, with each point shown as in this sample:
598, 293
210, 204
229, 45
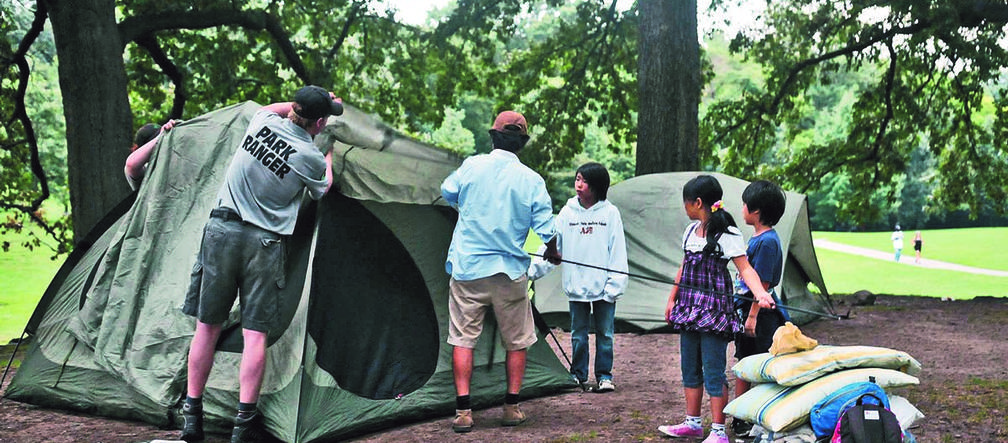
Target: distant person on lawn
918, 244
897, 241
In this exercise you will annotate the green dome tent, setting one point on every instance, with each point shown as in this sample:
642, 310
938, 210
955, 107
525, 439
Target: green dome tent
654, 221
365, 289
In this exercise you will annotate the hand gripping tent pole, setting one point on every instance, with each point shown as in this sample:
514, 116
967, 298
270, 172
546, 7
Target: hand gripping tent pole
709, 291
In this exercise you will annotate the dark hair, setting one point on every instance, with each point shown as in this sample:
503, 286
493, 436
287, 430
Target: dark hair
145, 134
767, 198
708, 190
508, 139
597, 178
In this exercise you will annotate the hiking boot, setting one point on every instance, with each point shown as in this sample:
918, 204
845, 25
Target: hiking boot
192, 424
681, 430
463, 421
605, 385
715, 437
740, 427
513, 416
249, 430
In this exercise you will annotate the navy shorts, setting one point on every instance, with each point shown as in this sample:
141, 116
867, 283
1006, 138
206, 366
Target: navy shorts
237, 260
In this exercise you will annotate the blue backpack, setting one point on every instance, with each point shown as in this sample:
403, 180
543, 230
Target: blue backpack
826, 413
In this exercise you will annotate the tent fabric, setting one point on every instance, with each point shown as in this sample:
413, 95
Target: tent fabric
365, 296
654, 221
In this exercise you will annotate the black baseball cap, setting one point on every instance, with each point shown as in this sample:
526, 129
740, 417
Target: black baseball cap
314, 103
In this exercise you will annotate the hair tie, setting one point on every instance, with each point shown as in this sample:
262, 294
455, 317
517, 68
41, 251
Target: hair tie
717, 205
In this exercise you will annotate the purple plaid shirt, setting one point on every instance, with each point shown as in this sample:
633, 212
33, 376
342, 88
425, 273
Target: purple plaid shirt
710, 308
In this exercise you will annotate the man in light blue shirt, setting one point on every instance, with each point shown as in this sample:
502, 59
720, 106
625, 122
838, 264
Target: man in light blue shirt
498, 199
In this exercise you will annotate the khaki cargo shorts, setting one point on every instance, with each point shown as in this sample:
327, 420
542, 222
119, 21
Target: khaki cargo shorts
468, 302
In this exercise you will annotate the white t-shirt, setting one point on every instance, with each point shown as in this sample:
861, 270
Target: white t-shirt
732, 243
897, 240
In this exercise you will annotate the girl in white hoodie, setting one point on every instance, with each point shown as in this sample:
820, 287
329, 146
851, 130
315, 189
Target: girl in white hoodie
590, 231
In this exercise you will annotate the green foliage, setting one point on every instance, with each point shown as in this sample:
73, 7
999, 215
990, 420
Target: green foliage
452, 135
931, 65
24, 276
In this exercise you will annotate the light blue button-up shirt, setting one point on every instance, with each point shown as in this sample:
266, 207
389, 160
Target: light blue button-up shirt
498, 199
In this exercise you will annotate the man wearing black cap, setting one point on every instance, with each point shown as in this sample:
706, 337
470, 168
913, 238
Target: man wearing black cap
244, 246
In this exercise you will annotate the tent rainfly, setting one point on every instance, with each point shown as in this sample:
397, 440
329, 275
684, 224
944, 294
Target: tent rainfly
365, 295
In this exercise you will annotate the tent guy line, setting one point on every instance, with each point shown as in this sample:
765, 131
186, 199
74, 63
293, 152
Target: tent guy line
668, 282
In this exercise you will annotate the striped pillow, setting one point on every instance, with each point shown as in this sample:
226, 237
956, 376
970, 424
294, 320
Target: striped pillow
801, 367
780, 408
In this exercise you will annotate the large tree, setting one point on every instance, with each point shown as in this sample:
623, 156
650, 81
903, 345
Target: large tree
669, 78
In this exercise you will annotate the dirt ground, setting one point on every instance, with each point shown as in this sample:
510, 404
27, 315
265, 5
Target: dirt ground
963, 387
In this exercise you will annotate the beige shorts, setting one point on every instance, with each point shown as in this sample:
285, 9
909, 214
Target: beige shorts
468, 302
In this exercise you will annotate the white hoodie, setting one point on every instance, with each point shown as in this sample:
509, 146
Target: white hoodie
592, 236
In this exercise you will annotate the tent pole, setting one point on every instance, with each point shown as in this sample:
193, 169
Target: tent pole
11, 360
709, 291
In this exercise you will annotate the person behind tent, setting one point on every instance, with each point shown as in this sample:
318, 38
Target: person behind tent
498, 200
897, 242
143, 146
763, 204
701, 307
590, 230
244, 245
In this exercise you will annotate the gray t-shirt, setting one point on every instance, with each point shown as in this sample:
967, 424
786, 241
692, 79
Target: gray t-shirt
274, 162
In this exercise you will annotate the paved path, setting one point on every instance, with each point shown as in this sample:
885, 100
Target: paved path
906, 259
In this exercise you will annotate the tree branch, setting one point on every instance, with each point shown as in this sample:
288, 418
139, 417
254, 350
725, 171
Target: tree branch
20, 114
20, 111
785, 86
133, 28
151, 45
351, 19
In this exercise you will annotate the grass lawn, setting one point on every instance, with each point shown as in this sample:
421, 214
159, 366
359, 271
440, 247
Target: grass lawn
977, 247
24, 276
847, 273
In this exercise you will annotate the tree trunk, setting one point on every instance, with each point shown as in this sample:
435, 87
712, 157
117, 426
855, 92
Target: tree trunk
96, 106
669, 79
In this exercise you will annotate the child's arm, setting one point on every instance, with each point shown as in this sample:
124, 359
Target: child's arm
539, 267
672, 295
750, 322
752, 280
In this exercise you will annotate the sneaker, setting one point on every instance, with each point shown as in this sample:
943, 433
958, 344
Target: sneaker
463, 421
586, 386
192, 424
513, 416
681, 430
740, 427
715, 437
249, 430
605, 385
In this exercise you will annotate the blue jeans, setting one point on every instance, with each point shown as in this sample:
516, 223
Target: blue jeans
703, 361
581, 315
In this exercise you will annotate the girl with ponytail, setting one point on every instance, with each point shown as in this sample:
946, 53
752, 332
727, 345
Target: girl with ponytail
702, 309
